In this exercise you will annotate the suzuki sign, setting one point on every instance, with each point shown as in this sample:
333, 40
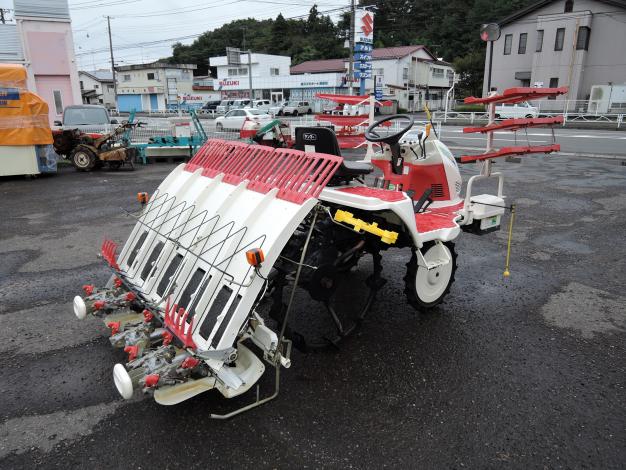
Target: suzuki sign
364, 26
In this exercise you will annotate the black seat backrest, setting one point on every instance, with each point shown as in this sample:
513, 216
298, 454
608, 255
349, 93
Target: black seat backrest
322, 138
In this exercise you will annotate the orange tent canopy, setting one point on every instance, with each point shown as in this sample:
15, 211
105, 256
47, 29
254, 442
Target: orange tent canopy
23, 114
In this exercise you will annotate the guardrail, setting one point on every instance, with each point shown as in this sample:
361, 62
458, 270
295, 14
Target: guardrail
472, 117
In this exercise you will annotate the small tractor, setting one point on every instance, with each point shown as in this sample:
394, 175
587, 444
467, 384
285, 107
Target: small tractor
87, 151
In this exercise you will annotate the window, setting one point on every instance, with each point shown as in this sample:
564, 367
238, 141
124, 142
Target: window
405, 73
437, 72
558, 40
58, 102
521, 47
82, 86
232, 72
554, 83
243, 71
126, 78
508, 43
582, 41
110, 87
569, 6
539, 40
151, 76
274, 71
96, 86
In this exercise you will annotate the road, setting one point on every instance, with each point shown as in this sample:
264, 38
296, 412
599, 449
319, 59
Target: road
524, 372
572, 141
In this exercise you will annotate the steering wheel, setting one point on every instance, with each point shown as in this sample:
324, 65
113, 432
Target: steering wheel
373, 136
397, 161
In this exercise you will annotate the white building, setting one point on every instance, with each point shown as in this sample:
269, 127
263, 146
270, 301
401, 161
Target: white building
411, 74
97, 87
151, 87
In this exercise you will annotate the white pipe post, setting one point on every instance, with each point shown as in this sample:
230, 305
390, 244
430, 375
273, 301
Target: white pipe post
370, 146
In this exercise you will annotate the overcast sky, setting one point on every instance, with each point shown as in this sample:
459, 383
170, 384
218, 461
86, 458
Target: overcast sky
148, 21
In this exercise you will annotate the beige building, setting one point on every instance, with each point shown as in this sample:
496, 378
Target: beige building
151, 87
574, 43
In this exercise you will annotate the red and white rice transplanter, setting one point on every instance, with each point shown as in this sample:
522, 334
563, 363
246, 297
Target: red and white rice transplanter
220, 247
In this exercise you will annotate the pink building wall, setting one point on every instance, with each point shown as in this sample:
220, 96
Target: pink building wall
49, 54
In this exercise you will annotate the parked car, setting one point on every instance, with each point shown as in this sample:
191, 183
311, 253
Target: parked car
277, 108
233, 120
240, 104
262, 105
518, 110
86, 117
211, 105
224, 106
295, 108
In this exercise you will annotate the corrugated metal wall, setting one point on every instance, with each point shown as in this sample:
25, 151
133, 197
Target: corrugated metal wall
42, 8
10, 45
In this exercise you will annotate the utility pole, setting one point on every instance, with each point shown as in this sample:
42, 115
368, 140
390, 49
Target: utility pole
250, 76
351, 56
112, 61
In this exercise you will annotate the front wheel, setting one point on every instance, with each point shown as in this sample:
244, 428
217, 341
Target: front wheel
84, 158
426, 288
219, 127
295, 113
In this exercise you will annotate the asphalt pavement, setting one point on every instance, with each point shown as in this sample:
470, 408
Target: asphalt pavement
523, 372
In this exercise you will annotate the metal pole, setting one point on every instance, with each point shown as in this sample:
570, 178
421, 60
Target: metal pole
250, 75
490, 65
112, 61
351, 55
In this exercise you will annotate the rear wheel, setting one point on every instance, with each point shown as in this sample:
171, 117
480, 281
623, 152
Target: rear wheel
426, 288
295, 113
84, 158
497, 116
219, 127
310, 111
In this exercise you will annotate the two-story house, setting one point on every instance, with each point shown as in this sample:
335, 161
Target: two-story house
97, 87
574, 43
154, 86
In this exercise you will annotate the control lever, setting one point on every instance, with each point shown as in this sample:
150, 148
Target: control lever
423, 202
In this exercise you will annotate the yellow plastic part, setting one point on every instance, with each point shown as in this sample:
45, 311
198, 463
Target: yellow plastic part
507, 273
386, 236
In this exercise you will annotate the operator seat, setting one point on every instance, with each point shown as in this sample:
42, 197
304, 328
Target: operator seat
324, 140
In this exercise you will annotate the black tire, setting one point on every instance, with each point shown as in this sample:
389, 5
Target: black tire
84, 158
219, 127
529, 116
415, 298
310, 111
497, 116
295, 113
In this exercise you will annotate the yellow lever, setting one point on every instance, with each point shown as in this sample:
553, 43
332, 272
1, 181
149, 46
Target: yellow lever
507, 273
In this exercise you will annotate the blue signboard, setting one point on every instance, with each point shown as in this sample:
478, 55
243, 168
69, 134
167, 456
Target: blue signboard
378, 87
361, 56
363, 74
360, 47
363, 65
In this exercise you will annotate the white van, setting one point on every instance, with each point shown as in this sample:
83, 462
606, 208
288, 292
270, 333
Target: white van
262, 105
241, 104
517, 110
